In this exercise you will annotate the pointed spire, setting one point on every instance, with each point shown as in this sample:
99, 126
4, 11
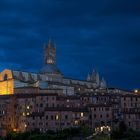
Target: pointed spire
49, 53
103, 83
97, 79
51, 44
88, 77
93, 71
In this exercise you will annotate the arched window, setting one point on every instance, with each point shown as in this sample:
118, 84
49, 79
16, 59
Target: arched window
5, 77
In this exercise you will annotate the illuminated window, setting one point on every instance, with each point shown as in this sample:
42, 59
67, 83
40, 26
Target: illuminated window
25, 125
49, 61
76, 122
23, 114
14, 129
57, 117
82, 114
28, 107
136, 91
28, 113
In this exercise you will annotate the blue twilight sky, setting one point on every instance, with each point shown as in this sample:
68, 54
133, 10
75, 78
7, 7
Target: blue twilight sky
99, 34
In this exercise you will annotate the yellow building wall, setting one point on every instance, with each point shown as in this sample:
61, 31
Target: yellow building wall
6, 86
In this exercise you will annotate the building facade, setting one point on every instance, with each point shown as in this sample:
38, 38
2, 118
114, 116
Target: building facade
47, 100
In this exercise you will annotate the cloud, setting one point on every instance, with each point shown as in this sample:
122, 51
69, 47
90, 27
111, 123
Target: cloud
103, 34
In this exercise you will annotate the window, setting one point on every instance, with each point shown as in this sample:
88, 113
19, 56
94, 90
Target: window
47, 117
94, 115
82, 114
23, 114
124, 104
66, 117
76, 122
5, 77
107, 115
28, 113
100, 116
107, 108
56, 117
28, 107
90, 117
94, 109
41, 105
51, 117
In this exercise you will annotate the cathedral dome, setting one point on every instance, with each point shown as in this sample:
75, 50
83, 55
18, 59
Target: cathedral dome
50, 69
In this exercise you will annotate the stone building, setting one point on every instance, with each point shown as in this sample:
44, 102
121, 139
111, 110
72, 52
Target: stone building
48, 100
48, 77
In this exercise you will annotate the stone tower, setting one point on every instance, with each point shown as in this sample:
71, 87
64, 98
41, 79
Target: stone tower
50, 53
50, 60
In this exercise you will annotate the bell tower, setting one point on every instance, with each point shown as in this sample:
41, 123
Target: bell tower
50, 66
50, 53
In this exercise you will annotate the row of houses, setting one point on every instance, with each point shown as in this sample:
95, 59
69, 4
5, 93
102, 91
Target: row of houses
55, 111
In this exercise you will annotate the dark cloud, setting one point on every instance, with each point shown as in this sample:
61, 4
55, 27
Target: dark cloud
100, 34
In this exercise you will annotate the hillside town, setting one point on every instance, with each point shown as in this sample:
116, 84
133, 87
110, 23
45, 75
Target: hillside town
48, 100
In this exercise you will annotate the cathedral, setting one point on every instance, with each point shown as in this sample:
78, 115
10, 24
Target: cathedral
49, 76
47, 100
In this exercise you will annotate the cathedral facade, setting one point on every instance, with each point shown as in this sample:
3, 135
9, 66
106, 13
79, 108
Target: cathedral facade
48, 77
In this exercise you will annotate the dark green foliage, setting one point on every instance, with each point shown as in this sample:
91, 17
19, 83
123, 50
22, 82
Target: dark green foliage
122, 127
49, 135
86, 131
122, 133
42, 137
